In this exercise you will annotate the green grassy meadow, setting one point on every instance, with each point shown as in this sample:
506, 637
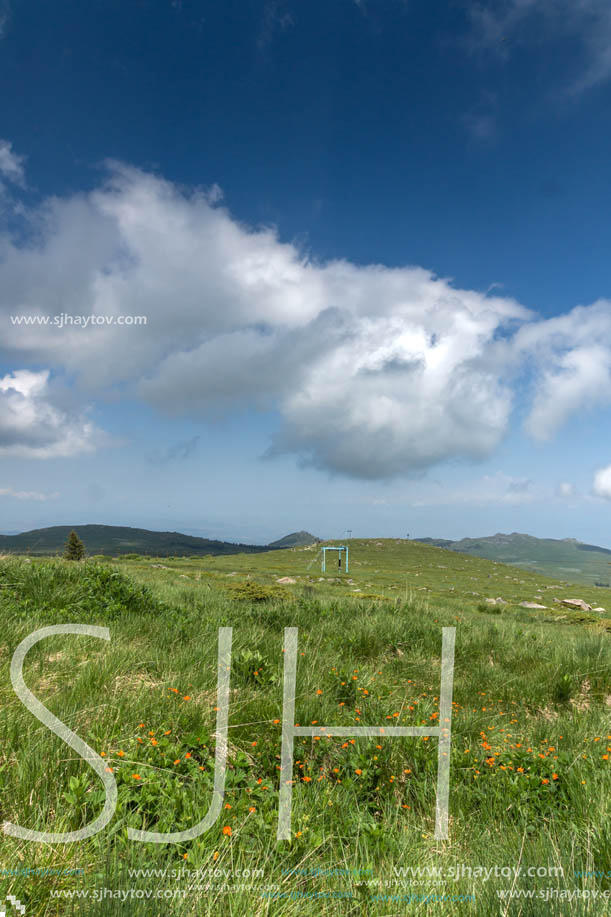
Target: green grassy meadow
530, 783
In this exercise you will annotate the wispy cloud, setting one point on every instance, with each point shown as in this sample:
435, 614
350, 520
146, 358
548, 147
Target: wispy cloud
5, 12
178, 452
497, 25
27, 494
495, 489
11, 165
276, 19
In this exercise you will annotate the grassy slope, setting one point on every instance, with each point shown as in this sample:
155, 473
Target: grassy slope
531, 692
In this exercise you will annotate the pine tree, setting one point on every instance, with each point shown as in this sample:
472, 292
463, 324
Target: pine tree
75, 549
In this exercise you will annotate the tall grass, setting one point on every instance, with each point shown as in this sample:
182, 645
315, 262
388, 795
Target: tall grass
531, 701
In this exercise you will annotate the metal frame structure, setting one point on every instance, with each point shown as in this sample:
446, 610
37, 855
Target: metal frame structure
340, 548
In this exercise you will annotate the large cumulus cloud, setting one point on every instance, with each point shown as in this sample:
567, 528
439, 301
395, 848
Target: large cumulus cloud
373, 371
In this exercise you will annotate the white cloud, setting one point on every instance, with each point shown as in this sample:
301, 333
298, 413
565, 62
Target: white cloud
27, 494
11, 165
373, 371
498, 23
602, 483
32, 427
566, 489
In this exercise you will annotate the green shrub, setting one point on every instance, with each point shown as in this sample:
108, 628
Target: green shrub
254, 592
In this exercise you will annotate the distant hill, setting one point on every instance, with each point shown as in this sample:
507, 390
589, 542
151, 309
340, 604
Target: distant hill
565, 559
114, 540
295, 540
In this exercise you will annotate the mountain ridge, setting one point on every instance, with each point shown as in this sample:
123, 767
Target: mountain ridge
120, 539
562, 558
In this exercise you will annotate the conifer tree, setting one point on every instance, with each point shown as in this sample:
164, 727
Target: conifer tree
75, 549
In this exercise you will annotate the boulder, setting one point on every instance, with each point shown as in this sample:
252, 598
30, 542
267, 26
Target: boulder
531, 605
286, 580
577, 603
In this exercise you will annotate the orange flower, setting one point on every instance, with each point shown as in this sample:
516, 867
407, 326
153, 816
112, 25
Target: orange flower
520, 770
307, 779
545, 780
186, 697
252, 809
605, 757
554, 776
185, 856
227, 805
136, 776
358, 771
188, 755
215, 855
168, 732
140, 725
276, 722
253, 743
154, 742
177, 761
318, 691
227, 830
121, 754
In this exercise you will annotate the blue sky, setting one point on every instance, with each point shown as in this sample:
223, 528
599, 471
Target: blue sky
370, 242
